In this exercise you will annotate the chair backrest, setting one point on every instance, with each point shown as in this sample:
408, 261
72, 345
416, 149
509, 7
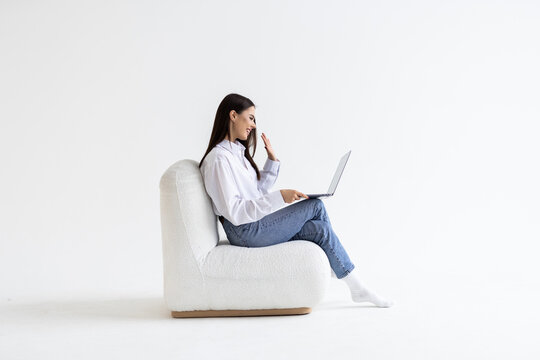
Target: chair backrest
188, 223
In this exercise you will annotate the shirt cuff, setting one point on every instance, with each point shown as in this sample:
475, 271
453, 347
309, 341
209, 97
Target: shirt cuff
276, 199
271, 165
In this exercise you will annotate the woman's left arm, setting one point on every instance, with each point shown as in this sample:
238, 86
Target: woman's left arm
270, 170
269, 174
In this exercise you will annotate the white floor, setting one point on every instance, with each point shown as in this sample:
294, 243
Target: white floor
427, 322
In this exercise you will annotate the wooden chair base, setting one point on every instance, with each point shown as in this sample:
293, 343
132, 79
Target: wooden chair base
254, 312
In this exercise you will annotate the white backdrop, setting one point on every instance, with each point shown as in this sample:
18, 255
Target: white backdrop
438, 102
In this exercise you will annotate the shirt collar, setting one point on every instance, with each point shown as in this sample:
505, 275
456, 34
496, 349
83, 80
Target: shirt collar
235, 146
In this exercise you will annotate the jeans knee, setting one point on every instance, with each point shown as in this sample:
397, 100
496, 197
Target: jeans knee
319, 206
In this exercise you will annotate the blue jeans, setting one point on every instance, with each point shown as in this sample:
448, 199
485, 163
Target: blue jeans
302, 220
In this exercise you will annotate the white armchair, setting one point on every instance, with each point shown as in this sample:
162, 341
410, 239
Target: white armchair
206, 277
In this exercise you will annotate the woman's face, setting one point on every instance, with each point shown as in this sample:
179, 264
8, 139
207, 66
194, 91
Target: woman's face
242, 124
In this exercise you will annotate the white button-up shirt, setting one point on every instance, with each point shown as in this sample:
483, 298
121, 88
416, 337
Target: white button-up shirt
231, 182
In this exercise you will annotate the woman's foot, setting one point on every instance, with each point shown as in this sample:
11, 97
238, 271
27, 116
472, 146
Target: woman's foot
362, 296
359, 293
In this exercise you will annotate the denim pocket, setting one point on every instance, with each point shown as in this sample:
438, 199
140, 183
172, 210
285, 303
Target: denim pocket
249, 232
233, 233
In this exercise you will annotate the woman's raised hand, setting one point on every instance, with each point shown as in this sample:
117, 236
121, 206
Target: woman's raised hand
290, 195
268, 147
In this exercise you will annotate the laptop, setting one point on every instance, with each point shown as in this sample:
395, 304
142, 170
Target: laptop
335, 180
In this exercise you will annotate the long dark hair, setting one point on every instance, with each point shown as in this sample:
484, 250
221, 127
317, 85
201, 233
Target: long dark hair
237, 103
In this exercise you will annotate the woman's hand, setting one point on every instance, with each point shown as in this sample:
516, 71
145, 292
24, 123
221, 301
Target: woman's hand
268, 147
290, 195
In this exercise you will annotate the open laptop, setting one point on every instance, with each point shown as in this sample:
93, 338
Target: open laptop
335, 180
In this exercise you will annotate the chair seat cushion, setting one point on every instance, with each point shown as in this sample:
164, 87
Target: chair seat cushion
293, 273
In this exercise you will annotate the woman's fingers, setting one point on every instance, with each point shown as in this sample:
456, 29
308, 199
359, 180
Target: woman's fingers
299, 194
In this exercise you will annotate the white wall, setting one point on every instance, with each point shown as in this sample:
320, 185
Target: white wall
438, 102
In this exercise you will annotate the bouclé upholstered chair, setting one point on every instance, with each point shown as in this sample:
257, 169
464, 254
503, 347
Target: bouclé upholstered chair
206, 277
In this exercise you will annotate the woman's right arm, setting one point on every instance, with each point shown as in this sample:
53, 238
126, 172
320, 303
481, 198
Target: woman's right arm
220, 185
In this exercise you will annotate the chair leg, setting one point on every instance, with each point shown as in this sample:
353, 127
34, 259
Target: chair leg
254, 312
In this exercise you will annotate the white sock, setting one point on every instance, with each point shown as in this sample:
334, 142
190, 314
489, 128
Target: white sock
359, 293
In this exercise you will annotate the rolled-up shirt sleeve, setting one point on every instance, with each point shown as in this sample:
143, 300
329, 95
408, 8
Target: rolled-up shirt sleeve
269, 174
222, 188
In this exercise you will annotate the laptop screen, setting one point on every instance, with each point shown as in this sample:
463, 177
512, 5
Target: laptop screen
338, 173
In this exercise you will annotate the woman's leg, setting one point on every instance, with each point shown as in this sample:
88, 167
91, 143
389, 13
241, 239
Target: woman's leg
304, 220
319, 230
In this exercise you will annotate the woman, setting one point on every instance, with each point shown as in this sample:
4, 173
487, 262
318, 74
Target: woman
250, 213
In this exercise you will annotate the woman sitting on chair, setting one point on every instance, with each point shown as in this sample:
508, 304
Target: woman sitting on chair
250, 213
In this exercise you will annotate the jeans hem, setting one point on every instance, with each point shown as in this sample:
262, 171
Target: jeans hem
347, 272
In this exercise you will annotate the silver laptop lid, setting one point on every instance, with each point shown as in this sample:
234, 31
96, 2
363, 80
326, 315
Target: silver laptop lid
339, 171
